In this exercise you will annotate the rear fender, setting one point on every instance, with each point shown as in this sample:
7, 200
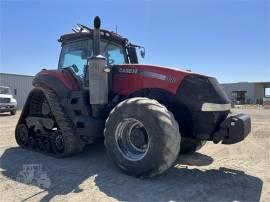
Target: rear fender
61, 81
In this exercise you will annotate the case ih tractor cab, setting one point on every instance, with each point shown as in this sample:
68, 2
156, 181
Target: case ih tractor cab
146, 114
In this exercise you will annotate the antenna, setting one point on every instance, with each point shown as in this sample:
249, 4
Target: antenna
116, 29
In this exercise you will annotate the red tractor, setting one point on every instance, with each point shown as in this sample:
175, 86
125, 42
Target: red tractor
146, 114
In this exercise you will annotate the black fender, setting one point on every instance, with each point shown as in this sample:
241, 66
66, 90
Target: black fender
194, 91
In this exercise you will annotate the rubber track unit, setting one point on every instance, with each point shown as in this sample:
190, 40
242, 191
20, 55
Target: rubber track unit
72, 143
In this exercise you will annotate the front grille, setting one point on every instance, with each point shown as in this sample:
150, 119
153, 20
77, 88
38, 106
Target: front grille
4, 100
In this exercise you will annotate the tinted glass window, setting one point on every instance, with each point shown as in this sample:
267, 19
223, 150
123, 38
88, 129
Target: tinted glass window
75, 53
113, 53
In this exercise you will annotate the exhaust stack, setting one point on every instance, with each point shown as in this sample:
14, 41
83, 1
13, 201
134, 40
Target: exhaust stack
98, 76
96, 36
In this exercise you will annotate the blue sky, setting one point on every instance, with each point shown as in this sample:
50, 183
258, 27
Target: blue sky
226, 39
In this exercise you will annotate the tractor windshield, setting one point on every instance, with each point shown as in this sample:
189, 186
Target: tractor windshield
76, 53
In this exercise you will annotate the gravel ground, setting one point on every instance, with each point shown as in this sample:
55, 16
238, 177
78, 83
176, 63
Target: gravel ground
237, 172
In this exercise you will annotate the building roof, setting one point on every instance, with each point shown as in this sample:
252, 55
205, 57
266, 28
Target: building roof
246, 82
21, 75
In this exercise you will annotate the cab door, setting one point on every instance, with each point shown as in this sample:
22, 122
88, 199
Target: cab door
75, 54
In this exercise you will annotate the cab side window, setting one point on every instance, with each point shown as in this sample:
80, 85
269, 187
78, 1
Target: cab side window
113, 53
75, 54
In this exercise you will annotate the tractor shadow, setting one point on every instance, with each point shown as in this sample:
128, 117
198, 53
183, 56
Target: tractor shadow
76, 175
196, 159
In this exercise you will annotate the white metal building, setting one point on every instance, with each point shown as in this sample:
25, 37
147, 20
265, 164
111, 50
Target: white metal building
20, 86
247, 92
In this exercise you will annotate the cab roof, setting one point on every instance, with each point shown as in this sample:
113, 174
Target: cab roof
104, 34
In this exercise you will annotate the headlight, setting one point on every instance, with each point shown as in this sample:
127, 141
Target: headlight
13, 101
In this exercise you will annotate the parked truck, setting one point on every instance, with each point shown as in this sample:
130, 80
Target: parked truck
7, 102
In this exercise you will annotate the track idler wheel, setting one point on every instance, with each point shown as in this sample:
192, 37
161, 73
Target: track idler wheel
22, 135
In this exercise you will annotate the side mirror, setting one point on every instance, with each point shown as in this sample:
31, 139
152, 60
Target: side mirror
142, 52
132, 55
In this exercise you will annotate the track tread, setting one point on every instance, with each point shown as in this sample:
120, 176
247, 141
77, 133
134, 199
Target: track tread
73, 144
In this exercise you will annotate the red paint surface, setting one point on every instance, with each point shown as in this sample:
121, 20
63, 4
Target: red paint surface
64, 76
125, 84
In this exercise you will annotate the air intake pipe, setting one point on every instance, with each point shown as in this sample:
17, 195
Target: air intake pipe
98, 75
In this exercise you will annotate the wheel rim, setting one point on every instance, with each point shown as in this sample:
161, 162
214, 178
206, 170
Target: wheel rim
132, 139
58, 143
22, 134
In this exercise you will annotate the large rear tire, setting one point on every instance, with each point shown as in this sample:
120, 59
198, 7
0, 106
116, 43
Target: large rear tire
190, 146
142, 137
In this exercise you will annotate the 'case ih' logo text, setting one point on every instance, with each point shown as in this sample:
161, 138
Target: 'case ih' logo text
148, 74
128, 71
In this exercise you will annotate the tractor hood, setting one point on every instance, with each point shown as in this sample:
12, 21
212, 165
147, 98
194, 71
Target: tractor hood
170, 77
188, 86
129, 78
172, 71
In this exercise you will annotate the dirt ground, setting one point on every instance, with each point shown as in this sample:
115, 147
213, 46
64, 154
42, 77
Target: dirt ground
239, 172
